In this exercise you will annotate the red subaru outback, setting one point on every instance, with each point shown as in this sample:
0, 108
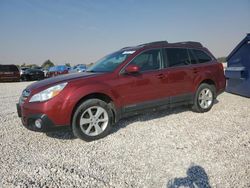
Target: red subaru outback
127, 82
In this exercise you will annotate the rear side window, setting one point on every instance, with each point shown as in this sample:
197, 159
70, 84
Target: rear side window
149, 60
177, 57
8, 68
201, 56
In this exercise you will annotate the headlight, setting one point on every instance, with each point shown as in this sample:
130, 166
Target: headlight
48, 93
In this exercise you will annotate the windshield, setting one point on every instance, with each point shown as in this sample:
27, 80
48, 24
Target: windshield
110, 62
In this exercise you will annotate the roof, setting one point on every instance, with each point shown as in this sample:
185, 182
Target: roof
247, 38
165, 43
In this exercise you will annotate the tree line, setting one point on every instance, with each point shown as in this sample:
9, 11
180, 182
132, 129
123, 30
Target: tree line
46, 65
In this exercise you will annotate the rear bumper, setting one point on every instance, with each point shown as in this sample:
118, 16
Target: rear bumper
46, 124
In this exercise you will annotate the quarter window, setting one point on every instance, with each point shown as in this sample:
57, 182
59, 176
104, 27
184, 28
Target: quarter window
149, 60
202, 56
177, 57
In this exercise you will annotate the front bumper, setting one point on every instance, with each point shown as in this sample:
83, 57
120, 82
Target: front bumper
29, 121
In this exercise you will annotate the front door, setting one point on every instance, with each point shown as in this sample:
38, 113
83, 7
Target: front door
144, 89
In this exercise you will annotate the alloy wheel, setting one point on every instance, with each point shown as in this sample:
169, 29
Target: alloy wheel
94, 121
205, 98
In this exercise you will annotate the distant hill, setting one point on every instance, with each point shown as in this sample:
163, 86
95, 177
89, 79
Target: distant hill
222, 59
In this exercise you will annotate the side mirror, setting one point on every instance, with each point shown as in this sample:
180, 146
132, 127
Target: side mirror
132, 69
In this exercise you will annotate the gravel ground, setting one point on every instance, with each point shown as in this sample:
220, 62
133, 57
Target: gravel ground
163, 149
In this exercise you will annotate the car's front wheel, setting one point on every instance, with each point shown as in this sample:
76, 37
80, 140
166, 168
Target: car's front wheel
92, 120
204, 98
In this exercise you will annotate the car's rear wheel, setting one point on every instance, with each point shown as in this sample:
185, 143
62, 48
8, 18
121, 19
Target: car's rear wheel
204, 98
92, 120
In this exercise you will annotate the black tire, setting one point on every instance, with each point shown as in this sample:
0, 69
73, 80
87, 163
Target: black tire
77, 131
196, 103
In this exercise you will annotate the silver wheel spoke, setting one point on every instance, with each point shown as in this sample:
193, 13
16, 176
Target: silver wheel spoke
99, 112
202, 103
103, 120
205, 104
89, 128
98, 129
209, 98
207, 92
201, 97
84, 121
90, 113
203, 92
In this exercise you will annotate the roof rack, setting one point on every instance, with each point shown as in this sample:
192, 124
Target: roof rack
159, 43
191, 43
154, 43
147, 44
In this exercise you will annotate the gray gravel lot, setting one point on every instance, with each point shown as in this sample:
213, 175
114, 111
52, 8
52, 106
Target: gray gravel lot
162, 149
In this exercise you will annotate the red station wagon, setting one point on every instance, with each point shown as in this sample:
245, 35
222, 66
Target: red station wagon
9, 73
127, 82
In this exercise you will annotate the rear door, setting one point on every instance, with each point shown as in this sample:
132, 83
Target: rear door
179, 74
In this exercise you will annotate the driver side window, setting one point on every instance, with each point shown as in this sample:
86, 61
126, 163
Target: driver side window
149, 60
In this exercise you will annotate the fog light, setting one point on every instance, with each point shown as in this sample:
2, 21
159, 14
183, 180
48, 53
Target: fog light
38, 123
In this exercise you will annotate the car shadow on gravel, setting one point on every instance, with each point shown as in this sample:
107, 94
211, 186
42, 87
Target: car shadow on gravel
152, 115
196, 177
64, 133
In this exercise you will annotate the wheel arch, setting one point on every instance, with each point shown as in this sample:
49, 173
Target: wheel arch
97, 95
209, 82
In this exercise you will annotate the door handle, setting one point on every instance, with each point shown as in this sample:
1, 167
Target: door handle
195, 70
161, 76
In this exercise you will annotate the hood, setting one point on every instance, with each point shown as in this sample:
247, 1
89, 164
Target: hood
59, 79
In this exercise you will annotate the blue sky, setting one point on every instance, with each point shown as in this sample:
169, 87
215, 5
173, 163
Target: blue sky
82, 31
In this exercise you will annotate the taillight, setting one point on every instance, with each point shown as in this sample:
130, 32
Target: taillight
221, 66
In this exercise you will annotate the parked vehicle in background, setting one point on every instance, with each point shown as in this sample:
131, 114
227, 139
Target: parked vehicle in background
127, 82
78, 68
57, 70
238, 70
9, 73
32, 74
22, 69
45, 71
